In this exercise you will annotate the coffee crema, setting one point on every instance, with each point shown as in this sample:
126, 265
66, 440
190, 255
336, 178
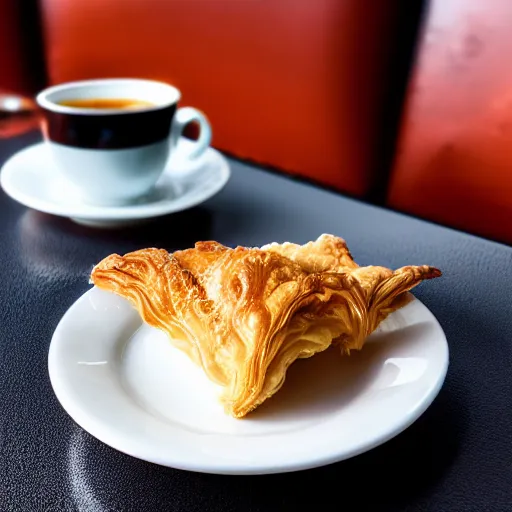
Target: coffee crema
106, 103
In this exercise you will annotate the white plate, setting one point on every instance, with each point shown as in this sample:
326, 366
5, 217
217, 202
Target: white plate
31, 178
124, 383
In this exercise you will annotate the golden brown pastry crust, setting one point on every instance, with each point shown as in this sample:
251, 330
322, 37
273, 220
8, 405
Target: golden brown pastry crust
246, 314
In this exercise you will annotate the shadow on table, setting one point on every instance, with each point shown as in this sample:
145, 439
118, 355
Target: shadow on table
178, 229
54, 248
395, 474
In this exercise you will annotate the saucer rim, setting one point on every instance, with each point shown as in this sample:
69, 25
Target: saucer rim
127, 212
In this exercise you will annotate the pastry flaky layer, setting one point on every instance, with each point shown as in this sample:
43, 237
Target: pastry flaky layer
246, 314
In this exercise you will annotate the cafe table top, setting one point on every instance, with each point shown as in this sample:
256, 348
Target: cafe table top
456, 457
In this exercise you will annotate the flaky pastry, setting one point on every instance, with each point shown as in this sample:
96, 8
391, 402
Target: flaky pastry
245, 314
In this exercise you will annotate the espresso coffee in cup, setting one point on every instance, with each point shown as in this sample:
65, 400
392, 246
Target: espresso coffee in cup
112, 138
106, 103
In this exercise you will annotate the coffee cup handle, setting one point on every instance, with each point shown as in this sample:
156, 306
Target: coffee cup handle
184, 116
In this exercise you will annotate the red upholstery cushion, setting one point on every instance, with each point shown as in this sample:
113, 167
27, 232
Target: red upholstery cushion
454, 162
296, 84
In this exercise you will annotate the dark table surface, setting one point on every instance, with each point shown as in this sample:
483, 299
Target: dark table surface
456, 457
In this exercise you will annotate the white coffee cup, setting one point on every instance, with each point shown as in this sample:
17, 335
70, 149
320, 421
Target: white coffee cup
115, 148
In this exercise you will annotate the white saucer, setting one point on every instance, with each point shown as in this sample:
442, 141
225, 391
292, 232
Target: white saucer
30, 178
124, 383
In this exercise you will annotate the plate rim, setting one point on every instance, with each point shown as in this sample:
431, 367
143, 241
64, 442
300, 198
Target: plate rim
231, 468
129, 212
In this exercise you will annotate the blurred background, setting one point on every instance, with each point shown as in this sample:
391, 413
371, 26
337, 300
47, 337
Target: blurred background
406, 104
